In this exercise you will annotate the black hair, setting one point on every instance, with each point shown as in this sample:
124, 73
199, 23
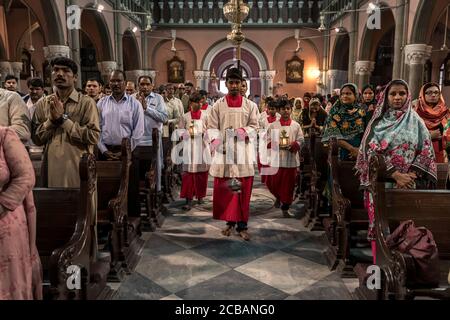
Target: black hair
35, 82
203, 93
429, 85
67, 62
11, 77
190, 84
195, 97
145, 77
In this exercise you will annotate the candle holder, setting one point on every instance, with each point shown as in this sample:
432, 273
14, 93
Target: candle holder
284, 139
192, 129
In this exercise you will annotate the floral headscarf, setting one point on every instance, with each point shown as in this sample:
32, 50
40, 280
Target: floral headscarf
401, 137
345, 121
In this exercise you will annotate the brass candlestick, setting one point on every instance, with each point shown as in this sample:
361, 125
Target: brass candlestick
284, 139
192, 129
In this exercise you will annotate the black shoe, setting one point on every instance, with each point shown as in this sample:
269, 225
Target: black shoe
200, 201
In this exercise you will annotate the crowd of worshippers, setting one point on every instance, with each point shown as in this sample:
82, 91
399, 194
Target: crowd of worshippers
412, 136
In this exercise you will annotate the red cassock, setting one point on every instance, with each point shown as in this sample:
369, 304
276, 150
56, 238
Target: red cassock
232, 206
282, 184
194, 184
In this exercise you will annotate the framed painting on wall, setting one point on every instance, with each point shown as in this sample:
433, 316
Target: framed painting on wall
175, 70
294, 70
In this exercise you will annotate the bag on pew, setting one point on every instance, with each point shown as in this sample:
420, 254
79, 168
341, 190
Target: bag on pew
419, 243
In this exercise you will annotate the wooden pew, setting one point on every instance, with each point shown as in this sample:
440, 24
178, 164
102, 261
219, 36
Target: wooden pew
143, 200
319, 170
427, 208
151, 199
442, 175
168, 186
348, 214
65, 237
112, 208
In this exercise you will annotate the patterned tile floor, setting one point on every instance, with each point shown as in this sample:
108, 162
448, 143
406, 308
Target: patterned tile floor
188, 258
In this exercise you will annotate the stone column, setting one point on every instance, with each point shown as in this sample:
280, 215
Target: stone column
353, 41
398, 41
202, 79
118, 37
416, 55
206, 76
17, 69
105, 68
363, 71
74, 44
5, 69
53, 51
267, 77
198, 76
332, 77
133, 75
145, 57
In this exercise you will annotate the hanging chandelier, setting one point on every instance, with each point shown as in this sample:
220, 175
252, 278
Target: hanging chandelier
236, 11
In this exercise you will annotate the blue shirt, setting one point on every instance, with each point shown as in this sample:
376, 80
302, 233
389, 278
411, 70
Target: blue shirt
118, 120
155, 115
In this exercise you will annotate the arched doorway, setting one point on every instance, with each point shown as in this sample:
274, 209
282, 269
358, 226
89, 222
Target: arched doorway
131, 56
378, 46
338, 72
222, 54
250, 69
95, 44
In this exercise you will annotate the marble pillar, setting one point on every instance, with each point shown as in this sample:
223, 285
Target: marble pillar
416, 55
5, 69
105, 68
363, 71
267, 77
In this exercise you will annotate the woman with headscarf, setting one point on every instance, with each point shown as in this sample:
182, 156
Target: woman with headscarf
346, 122
297, 110
396, 132
368, 99
314, 119
432, 109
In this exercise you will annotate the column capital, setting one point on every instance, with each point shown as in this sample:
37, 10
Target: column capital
417, 53
16, 67
106, 67
199, 75
267, 74
150, 73
332, 74
53, 51
364, 67
5, 68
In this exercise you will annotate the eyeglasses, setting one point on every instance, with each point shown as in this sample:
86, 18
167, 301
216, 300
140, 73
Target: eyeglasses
432, 93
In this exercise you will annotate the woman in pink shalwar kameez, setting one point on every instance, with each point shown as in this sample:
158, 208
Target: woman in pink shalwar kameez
20, 266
